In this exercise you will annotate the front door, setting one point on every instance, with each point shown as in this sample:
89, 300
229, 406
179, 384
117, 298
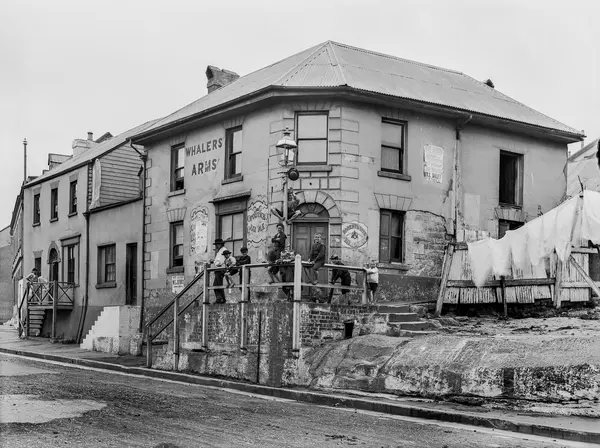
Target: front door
131, 274
303, 235
53, 272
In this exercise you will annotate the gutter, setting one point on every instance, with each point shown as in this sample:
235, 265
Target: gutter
139, 138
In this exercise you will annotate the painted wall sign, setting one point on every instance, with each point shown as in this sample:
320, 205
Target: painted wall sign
208, 165
177, 283
354, 234
257, 224
198, 230
433, 163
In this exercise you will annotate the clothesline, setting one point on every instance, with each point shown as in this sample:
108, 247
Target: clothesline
556, 231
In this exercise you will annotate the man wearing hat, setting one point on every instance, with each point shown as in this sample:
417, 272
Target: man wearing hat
219, 262
341, 274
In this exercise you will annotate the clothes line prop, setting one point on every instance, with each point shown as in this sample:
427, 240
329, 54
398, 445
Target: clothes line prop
557, 231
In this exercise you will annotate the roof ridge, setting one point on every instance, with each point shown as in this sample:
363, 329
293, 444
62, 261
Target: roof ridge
296, 68
364, 50
523, 104
338, 66
590, 145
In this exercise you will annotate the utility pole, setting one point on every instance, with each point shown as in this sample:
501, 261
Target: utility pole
24, 160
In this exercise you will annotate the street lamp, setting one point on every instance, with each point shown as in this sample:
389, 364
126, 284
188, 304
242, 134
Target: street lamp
286, 147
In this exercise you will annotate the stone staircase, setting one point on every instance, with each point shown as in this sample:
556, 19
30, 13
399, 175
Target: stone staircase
404, 323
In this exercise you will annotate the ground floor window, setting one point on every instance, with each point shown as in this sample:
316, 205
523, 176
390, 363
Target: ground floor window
391, 231
107, 272
176, 244
505, 224
231, 224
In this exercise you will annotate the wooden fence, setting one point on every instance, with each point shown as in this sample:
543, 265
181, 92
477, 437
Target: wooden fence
571, 284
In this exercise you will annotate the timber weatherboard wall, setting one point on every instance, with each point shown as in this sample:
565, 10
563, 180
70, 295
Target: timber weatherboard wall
119, 174
351, 187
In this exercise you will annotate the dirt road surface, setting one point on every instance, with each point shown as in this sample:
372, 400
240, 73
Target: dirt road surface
47, 404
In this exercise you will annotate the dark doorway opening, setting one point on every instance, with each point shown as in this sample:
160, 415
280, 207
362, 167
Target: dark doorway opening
131, 274
53, 259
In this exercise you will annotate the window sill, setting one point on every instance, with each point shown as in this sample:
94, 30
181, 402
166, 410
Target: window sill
72, 214
391, 175
175, 270
315, 168
394, 266
232, 180
106, 285
176, 193
36, 224
53, 219
504, 205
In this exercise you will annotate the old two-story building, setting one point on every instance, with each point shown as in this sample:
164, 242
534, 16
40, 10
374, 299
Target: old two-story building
396, 158
82, 221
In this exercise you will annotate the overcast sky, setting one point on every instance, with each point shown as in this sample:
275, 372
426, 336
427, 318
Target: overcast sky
69, 67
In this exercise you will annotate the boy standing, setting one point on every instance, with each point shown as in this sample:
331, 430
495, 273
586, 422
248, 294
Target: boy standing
372, 279
342, 274
242, 260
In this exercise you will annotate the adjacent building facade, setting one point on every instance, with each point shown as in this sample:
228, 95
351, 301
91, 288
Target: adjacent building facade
396, 158
81, 228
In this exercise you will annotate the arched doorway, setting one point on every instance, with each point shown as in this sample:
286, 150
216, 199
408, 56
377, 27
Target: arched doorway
53, 261
314, 219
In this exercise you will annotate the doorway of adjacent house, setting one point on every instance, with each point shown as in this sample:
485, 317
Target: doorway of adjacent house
314, 219
53, 259
131, 274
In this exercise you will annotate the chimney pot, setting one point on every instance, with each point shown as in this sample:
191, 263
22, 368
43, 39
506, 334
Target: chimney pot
91, 136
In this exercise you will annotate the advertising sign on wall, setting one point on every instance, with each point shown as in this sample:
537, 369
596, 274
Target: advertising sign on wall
433, 163
354, 234
199, 230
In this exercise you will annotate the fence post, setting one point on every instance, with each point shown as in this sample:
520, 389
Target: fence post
54, 307
243, 307
296, 303
176, 333
148, 346
26, 300
205, 303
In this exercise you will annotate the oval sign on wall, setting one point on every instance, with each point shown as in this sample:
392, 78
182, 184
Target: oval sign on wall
354, 234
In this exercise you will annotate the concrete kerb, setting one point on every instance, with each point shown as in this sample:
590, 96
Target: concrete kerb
334, 400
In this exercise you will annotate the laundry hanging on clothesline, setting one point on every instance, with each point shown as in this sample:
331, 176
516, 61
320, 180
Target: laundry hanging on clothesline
556, 231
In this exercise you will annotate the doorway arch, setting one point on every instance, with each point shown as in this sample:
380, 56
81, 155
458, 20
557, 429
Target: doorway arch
314, 219
53, 261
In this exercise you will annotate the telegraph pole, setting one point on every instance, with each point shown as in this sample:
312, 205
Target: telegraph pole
24, 160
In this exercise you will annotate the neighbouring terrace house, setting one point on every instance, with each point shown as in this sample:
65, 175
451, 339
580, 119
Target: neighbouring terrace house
6, 283
396, 158
82, 221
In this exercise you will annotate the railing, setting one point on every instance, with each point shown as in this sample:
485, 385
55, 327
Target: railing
177, 311
45, 294
292, 286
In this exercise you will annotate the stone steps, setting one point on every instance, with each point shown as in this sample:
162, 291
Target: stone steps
403, 323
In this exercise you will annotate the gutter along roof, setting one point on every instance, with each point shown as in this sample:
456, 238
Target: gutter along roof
332, 65
96, 151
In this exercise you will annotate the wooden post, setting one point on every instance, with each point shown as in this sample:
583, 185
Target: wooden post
445, 273
27, 312
585, 276
557, 282
503, 289
54, 307
296, 303
149, 346
176, 334
244, 308
205, 304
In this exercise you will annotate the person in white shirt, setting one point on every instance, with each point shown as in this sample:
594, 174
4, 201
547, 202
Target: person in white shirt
372, 279
219, 262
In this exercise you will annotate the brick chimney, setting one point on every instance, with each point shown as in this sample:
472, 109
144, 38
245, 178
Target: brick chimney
82, 145
218, 78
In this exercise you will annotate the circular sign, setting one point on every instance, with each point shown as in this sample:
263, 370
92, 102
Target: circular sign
354, 234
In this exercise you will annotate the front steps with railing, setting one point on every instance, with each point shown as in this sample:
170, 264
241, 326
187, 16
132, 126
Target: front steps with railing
36, 321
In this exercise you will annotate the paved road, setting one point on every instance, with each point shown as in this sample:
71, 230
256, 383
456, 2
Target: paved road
51, 404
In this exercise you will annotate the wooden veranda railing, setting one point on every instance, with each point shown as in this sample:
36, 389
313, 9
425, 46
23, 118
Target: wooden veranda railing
45, 295
172, 310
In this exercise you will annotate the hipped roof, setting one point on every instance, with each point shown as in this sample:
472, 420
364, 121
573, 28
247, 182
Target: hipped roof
333, 64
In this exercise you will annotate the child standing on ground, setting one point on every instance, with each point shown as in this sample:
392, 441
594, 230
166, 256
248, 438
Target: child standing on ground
372, 279
229, 263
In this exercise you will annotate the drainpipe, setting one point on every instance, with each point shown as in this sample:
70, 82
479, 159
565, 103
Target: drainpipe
457, 181
87, 258
144, 158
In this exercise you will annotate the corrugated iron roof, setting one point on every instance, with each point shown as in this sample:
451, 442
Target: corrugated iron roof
97, 151
583, 165
332, 64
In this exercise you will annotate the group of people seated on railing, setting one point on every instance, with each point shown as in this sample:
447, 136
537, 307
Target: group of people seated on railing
281, 268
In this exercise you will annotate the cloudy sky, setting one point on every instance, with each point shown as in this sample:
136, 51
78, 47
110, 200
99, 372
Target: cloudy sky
69, 67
